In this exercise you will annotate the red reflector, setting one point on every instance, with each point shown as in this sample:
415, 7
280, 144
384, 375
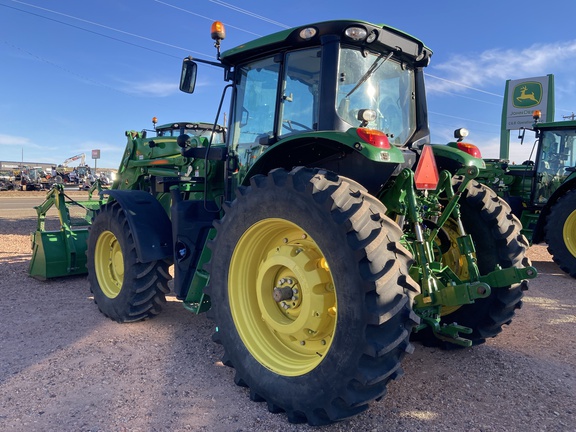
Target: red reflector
374, 137
471, 149
426, 176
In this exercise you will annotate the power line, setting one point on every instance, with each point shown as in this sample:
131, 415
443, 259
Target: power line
89, 31
462, 96
217, 2
464, 85
204, 17
102, 26
247, 12
462, 118
58, 66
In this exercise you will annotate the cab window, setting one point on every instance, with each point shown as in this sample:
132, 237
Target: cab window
299, 99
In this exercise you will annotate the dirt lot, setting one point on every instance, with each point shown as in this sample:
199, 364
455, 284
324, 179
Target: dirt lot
65, 367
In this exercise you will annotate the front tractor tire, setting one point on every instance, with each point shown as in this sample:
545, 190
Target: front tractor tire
498, 241
310, 294
124, 289
560, 233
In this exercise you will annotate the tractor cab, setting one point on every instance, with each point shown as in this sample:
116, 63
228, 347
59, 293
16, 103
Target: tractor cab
556, 160
319, 94
535, 182
198, 129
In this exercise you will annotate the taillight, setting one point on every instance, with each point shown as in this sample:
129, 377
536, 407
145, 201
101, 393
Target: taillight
471, 149
426, 176
374, 137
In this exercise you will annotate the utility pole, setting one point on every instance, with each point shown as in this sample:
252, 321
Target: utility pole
570, 117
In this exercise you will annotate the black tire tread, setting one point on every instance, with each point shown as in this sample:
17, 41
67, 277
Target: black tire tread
383, 265
553, 232
499, 308
146, 290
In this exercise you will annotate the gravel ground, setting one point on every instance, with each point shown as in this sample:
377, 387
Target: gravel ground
65, 367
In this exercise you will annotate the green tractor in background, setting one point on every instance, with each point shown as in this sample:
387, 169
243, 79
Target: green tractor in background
322, 232
542, 192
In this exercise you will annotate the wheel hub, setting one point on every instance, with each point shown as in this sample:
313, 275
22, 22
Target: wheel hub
282, 297
568, 233
301, 315
109, 264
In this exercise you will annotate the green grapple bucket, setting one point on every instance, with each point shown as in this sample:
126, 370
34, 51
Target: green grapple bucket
62, 252
58, 253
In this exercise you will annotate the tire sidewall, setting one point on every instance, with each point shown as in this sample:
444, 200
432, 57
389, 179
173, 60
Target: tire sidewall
560, 212
316, 220
108, 220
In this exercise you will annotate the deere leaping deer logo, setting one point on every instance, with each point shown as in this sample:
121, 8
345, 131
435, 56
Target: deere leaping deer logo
527, 94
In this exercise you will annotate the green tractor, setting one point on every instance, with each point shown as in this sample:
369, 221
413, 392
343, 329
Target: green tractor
542, 192
323, 231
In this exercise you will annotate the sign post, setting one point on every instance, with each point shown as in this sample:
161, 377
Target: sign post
95, 156
521, 98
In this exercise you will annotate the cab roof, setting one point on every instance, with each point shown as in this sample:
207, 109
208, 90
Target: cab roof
556, 125
388, 39
186, 125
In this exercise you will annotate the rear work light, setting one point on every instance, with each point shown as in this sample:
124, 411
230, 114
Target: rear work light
374, 137
426, 176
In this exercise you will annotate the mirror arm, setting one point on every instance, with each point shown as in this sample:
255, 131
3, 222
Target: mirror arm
208, 62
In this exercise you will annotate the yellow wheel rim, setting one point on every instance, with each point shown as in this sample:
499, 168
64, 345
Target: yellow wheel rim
569, 233
282, 297
453, 259
109, 264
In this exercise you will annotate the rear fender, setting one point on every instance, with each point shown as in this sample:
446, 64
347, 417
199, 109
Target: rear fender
148, 222
452, 159
341, 152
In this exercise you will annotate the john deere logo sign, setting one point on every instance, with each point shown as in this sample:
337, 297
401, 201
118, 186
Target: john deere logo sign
527, 94
522, 97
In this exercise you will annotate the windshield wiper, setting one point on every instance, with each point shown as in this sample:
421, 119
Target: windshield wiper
373, 68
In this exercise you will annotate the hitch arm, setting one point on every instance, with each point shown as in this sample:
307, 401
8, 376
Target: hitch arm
500, 278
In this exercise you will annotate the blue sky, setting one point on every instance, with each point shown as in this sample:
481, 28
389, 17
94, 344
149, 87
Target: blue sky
76, 74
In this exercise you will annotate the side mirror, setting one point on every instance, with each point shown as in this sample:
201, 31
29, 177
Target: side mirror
521, 134
188, 76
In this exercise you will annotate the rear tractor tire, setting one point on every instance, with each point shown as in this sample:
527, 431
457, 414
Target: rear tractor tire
498, 241
560, 233
310, 294
124, 289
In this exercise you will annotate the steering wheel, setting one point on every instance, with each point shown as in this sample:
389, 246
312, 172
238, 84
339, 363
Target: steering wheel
289, 124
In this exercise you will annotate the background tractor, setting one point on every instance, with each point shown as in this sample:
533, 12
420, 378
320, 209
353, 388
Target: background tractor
542, 190
321, 231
